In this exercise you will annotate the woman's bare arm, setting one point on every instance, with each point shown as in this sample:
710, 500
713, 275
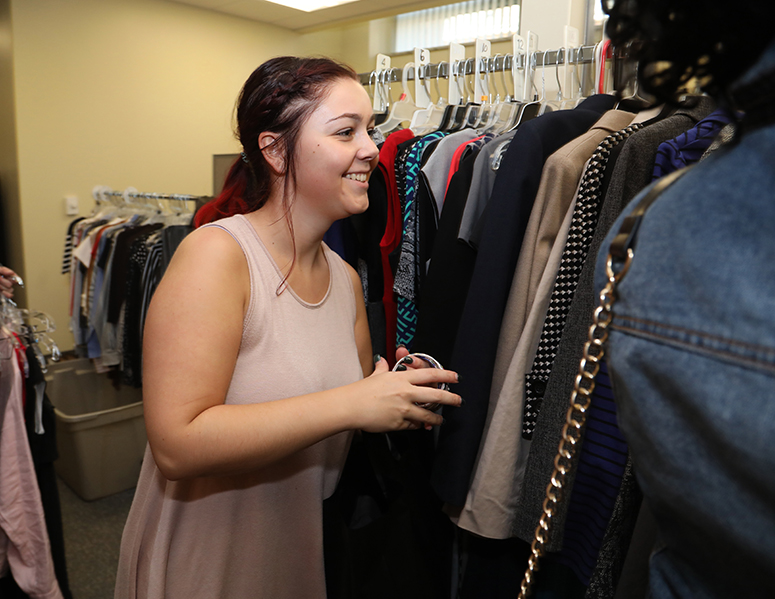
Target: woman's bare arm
191, 341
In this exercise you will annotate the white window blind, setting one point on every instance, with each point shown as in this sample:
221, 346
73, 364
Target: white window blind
461, 22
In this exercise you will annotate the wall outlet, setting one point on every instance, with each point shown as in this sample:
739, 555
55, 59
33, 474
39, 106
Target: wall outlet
71, 205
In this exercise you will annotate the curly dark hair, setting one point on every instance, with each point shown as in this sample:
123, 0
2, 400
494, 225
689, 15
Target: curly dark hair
676, 40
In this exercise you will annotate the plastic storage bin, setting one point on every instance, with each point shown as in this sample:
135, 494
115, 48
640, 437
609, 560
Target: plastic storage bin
100, 430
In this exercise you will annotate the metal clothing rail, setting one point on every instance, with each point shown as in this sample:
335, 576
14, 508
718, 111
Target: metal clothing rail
495, 64
101, 193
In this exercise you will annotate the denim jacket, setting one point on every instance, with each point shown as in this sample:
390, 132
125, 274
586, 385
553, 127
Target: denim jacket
692, 358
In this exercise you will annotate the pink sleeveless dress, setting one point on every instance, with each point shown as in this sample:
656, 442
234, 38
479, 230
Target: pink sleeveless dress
257, 535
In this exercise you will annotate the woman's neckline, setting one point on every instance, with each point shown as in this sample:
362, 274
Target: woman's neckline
286, 286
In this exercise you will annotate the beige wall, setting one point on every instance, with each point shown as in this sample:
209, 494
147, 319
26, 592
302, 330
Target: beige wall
120, 93
140, 93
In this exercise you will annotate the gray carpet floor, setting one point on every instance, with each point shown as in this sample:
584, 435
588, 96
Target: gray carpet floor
92, 532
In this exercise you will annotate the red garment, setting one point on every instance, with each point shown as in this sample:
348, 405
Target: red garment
392, 236
455, 164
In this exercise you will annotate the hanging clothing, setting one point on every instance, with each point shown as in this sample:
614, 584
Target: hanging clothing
631, 172
25, 550
257, 534
104, 247
392, 234
40, 421
407, 277
449, 273
437, 169
699, 444
498, 473
485, 173
689, 147
477, 337
603, 455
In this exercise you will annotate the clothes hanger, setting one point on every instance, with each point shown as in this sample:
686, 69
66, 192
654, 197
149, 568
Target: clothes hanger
499, 106
460, 111
580, 90
471, 113
429, 119
36, 338
449, 118
139, 204
403, 110
634, 102
546, 105
104, 205
527, 109
380, 114
488, 106
384, 84
11, 320
507, 109
563, 101
10, 317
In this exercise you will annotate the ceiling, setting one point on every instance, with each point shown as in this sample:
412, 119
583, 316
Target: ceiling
297, 20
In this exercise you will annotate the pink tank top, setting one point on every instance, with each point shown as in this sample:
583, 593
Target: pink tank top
257, 535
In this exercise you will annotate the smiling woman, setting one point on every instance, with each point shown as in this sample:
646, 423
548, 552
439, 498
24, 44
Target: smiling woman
255, 351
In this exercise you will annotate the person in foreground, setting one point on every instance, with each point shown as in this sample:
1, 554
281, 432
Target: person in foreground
692, 348
257, 358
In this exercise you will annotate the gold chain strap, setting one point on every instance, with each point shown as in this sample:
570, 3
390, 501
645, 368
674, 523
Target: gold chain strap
575, 419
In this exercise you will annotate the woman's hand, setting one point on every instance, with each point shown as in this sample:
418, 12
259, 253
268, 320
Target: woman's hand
391, 397
402, 352
7, 279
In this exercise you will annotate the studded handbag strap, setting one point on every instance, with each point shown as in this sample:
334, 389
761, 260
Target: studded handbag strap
620, 257
580, 234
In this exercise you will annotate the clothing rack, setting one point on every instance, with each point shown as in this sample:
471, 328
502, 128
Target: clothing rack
495, 64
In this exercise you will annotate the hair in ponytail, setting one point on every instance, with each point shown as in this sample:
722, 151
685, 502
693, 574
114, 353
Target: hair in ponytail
278, 97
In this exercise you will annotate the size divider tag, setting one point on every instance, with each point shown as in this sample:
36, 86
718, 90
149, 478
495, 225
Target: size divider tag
481, 89
520, 55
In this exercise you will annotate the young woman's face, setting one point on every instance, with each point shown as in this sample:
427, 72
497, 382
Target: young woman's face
335, 154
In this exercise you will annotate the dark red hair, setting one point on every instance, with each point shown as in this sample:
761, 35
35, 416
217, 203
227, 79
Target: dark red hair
278, 97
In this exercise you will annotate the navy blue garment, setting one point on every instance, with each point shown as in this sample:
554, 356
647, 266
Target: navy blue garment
692, 360
342, 239
689, 147
507, 214
598, 480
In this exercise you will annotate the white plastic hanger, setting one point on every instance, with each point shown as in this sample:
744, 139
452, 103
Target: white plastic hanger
403, 110
429, 119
